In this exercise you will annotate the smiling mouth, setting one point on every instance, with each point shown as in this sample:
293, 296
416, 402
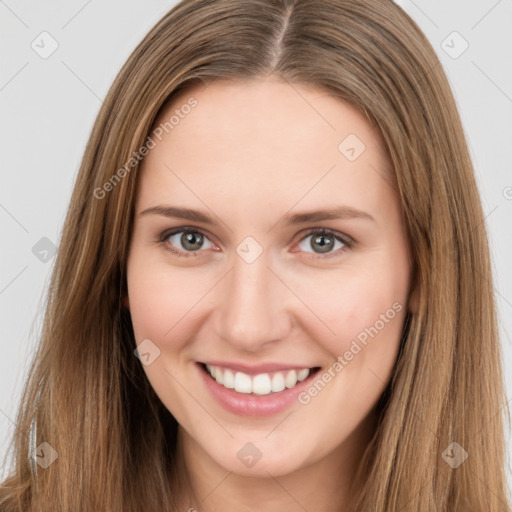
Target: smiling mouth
261, 384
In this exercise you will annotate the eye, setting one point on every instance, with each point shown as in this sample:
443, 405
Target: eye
189, 242
323, 241
181, 241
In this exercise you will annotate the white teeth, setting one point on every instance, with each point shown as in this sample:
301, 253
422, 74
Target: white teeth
229, 379
219, 375
261, 384
278, 382
302, 374
243, 383
291, 379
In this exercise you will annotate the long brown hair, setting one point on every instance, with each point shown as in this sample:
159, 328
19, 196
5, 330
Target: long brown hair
87, 395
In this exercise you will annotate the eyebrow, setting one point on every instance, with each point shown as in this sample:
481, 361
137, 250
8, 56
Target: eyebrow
339, 212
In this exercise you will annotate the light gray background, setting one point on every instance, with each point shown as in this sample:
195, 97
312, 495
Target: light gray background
48, 106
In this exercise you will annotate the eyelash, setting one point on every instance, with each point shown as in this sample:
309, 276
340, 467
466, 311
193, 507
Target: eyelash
344, 239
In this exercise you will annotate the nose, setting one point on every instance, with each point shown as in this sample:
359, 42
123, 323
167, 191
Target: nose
252, 310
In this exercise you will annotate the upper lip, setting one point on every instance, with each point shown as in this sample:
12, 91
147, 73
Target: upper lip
257, 368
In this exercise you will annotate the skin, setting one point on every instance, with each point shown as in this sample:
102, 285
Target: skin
248, 154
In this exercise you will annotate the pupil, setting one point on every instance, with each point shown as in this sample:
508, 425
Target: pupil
188, 239
324, 247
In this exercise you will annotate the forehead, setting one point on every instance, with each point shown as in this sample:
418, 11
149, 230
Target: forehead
261, 109
265, 141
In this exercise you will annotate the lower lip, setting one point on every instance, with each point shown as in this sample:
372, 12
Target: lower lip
244, 404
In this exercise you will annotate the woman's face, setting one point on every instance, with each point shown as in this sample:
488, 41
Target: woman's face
227, 268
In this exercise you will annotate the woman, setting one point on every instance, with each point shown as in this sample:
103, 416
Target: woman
273, 280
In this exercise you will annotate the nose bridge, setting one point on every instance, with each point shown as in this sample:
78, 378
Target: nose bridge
251, 312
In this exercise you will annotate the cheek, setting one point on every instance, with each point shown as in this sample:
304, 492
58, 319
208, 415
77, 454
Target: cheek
367, 316
161, 309
359, 315
159, 300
